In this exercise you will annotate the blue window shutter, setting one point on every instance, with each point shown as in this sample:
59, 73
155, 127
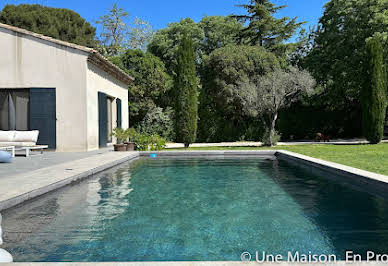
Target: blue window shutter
102, 120
119, 114
43, 116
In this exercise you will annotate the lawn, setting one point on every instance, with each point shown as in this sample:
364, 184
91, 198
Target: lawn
372, 158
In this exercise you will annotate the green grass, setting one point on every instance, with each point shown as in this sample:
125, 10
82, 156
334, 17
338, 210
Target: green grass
372, 158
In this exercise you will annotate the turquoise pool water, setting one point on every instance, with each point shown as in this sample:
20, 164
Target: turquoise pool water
197, 209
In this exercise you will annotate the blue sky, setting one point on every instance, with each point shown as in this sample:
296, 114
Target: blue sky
160, 13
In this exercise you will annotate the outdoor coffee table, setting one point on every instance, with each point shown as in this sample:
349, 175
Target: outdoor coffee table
9, 148
29, 149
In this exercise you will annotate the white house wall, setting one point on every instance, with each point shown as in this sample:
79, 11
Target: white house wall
100, 81
28, 62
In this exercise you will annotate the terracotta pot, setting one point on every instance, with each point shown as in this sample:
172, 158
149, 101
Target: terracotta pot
120, 147
130, 146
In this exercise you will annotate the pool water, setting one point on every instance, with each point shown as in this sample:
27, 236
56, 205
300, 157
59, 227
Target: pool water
197, 210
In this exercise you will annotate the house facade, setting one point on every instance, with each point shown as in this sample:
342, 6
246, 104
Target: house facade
70, 93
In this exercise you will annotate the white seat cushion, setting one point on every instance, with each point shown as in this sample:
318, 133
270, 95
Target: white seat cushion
18, 144
26, 136
7, 136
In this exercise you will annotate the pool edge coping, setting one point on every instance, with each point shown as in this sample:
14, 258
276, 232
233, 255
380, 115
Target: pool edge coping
363, 176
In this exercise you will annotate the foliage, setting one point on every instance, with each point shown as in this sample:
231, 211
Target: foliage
210, 33
120, 134
186, 93
222, 114
265, 96
140, 34
304, 119
219, 31
150, 86
165, 43
157, 143
145, 142
263, 28
131, 134
59, 23
337, 58
114, 30
374, 94
158, 122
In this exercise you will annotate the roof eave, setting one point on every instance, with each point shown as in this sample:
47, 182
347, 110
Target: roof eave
97, 59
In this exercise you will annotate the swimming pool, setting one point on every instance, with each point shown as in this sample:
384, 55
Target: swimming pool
197, 209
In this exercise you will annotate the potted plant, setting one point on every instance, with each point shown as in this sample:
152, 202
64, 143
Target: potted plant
121, 136
130, 137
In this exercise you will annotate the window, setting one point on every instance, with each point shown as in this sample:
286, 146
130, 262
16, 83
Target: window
14, 109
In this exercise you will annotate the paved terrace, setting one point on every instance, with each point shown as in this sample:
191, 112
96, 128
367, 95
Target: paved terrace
37, 161
27, 178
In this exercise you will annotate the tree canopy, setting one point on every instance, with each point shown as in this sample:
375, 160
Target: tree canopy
165, 43
59, 23
265, 95
338, 58
263, 28
219, 31
223, 72
151, 82
209, 34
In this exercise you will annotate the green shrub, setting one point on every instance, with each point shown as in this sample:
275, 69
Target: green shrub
145, 142
157, 143
131, 134
158, 122
120, 134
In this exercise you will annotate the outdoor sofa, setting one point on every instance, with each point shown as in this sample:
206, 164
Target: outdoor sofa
21, 140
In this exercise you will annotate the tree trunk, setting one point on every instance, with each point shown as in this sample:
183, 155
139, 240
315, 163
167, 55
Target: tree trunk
272, 129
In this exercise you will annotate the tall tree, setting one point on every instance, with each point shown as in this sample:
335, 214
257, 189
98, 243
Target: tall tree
114, 30
140, 34
210, 33
337, 58
263, 28
221, 114
165, 43
150, 86
59, 23
186, 93
374, 93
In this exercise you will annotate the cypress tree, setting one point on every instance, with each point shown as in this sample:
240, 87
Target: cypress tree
374, 98
186, 93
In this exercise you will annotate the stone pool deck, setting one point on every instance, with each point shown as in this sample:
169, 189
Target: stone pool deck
32, 178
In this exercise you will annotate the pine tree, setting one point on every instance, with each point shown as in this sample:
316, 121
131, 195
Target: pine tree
59, 23
373, 97
186, 94
263, 28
